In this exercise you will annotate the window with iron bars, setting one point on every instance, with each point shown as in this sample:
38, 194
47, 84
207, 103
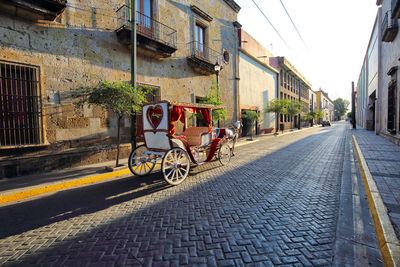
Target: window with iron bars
21, 121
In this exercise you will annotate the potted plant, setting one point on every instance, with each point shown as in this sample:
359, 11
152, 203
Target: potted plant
252, 116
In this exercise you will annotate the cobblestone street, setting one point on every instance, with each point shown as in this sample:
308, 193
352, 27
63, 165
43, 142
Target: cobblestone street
276, 203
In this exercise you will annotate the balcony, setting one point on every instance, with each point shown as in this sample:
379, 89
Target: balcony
389, 28
395, 9
34, 10
202, 58
153, 38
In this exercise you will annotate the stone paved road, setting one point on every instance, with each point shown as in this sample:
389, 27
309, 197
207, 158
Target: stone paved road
277, 203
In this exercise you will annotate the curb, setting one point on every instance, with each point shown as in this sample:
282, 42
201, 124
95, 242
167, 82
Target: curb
257, 137
387, 239
88, 180
60, 186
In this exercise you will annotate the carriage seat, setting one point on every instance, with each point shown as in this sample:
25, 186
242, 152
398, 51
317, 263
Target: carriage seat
197, 136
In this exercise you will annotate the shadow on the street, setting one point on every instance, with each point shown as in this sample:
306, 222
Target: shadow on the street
258, 191
43, 178
31, 214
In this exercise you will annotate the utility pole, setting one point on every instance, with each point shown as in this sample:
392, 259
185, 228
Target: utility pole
353, 106
133, 65
217, 69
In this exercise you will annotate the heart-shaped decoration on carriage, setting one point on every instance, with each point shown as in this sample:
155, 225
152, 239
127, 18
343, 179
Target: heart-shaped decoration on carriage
154, 116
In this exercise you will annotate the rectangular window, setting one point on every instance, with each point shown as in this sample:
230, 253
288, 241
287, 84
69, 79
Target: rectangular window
20, 105
144, 17
391, 108
199, 37
285, 78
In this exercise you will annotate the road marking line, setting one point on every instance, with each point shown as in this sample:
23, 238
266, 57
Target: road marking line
60, 186
387, 239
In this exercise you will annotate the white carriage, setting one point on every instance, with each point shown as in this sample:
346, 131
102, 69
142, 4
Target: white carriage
176, 151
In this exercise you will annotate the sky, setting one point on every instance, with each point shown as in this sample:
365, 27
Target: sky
335, 34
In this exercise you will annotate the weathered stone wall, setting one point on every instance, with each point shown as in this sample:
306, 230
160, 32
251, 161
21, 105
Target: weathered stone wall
173, 75
81, 48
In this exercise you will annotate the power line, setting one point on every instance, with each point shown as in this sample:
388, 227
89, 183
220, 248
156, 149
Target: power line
294, 25
277, 32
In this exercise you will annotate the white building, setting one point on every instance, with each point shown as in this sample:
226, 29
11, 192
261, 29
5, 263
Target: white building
388, 97
378, 96
367, 84
258, 82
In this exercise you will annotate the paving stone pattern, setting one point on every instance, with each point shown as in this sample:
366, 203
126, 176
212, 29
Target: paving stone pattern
383, 160
275, 204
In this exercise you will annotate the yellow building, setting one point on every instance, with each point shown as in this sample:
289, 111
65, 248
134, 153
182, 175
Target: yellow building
325, 104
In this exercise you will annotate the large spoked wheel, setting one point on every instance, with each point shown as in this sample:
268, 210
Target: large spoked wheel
224, 154
175, 166
141, 163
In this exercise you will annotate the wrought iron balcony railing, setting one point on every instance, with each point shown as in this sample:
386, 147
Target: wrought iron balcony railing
389, 28
201, 51
147, 27
202, 58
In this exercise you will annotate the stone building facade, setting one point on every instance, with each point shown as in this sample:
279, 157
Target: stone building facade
48, 48
388, 97
293, 86
378, 97
258, 82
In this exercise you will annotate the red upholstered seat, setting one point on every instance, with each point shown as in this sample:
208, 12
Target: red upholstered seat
196, 136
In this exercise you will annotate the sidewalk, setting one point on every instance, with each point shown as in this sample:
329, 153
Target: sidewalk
17, 188
382, 176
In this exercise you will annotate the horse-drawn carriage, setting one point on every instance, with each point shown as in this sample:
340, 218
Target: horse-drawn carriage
174, 150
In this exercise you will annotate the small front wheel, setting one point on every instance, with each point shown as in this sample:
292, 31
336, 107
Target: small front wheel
140, 163
224, 154
175, 166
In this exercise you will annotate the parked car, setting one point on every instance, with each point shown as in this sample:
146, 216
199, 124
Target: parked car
326, 123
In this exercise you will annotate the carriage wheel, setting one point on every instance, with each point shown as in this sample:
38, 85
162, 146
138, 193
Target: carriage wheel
139, 162
175, 166
224, 154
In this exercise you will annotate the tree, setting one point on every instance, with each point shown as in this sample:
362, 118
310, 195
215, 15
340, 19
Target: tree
318, 114
293, 108
276, 106
213, 97
309, 116
349, 115
120, 97
341, 106
251, 116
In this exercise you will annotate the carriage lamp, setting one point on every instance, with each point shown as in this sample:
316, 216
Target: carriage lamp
217, 69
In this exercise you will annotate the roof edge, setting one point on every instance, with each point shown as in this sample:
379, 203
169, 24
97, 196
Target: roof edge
233, 5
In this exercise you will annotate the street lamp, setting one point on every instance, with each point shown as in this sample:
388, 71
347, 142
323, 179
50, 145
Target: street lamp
217, 69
